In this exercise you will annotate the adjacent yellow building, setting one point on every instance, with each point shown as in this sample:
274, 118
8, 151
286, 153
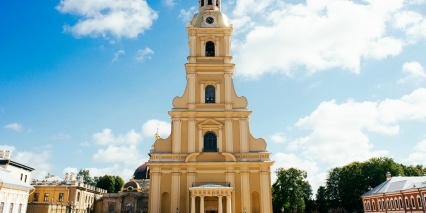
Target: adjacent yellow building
62, 195
210, 163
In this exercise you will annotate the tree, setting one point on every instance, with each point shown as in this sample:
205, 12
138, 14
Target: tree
87, 179
290, 190
112, 184
321, 201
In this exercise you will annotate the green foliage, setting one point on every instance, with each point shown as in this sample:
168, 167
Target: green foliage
321, 201
345, 185
112, 184
291, 190
87, 179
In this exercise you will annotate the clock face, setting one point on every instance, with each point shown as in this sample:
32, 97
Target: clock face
209, 20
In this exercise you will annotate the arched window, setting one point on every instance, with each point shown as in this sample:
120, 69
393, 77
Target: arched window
210, 2
202, 3
374, 206
210, 142
210, 49
407, 204
210, 95
419, 201
413, 202
400, 203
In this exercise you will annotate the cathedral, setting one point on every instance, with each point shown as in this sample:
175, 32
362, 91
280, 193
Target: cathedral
210, 163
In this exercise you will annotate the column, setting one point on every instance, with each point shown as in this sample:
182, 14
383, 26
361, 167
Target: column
192, 43
155, 197
216, 45
227, 45
191, 135
229, 136
192, 203
203, 47
176, 140
219, 141
190, 178
191, 82
265, 190
202, 204
228, 204
228, 91
175, 192
200, 140
218, 93
220, 204
202, 94
243, 136
245, 188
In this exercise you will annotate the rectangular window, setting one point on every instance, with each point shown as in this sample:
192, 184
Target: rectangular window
46, 197
1, 207
22, 176
35, 198
419, 201
61, 197
11, 208
20, 208
26, 176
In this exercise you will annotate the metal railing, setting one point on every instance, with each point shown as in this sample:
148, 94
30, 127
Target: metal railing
211, 184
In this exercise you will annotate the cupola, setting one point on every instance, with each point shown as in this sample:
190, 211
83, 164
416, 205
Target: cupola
209, 5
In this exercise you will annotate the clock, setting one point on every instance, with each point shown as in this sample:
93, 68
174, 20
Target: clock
209, 20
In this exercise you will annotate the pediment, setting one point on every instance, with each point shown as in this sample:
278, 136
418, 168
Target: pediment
210, 124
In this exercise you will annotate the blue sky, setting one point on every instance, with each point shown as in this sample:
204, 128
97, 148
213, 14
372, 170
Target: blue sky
85, 84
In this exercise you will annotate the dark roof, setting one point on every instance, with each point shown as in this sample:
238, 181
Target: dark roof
132, 184
142, 172
16, 164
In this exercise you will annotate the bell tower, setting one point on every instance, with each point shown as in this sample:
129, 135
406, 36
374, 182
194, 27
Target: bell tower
210, 162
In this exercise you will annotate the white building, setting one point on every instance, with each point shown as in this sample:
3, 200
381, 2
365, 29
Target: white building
13, 193
20, 171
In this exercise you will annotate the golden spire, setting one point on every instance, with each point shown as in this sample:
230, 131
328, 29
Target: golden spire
157, 135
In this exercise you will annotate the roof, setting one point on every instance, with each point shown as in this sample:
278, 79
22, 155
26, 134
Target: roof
142, 172
16, 164
396, 184
9, 181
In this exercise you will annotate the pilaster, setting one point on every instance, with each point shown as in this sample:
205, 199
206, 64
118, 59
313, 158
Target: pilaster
229, 136
177, 126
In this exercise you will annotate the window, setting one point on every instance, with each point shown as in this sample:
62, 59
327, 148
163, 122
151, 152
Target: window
413, 202
22, 176
20, 208
1, 207
61, 197
46, 197
35, 198
392, 204
78, 196
389, 206
26, 178
407, 205
111, 207
210, 94
210, 49
202, 3
400, 203
217, 3
210, 142
11, 208
210, 2
419, 201
374, 205
396, 203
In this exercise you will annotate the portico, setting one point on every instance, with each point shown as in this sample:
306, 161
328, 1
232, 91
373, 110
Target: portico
211, 190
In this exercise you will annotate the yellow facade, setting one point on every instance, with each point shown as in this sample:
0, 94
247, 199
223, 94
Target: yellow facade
210, 162
63, 196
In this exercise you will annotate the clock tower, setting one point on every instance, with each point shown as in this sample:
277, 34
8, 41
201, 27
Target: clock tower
210, 163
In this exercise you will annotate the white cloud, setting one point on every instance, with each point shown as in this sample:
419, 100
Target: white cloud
8, 148
61, 137
278, 138
117, 154
339, 131
169, 3
144, 54
186, 15
116, 18
415, 72
15, 127
117, 55
318, 35
107, 137
418, 156
68, 170
149, 128
39, 161
412, 23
